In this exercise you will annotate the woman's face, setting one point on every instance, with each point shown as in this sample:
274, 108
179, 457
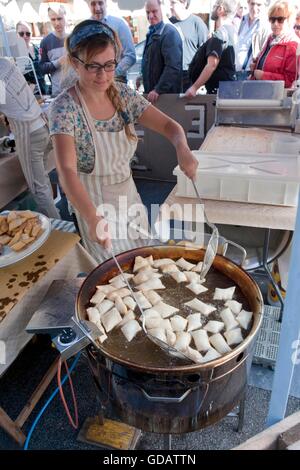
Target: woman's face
93, 77
297, 27
25, 33
279, 24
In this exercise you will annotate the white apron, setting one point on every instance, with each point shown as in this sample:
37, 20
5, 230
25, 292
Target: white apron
113, 152
21, 131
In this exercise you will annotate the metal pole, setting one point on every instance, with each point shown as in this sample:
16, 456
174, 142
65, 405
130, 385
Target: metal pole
289, 344
4, 39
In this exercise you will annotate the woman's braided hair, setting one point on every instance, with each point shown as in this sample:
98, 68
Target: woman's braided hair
88, 48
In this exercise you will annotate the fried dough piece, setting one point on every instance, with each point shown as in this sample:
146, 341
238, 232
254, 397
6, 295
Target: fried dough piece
25, 238
28, 226
15, 224
18, 246
15, 238
27, 215
12, 216
36, 231
5, 239
3, 225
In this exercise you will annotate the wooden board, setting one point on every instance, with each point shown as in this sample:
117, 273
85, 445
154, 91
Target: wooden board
18, 278
111, 434
268, 439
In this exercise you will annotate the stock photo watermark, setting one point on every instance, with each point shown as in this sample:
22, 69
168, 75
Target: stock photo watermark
2, 353
296, 354
132, 221
2, 92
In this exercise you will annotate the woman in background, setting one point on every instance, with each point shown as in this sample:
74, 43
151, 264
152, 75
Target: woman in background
278, 59
24, 31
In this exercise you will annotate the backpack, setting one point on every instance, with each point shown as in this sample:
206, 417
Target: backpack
199, 60
198, 63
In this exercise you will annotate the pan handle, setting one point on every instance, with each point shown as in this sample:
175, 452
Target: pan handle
166, 399
239, 247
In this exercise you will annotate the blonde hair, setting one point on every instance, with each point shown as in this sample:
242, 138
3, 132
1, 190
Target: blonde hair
282, 8
57, 8
23, 23
87, 49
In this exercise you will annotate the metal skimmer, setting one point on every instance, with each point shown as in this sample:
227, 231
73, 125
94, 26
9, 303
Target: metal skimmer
168, 349
212, 246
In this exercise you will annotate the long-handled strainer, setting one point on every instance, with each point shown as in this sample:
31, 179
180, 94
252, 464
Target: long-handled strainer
168, 349
212, 246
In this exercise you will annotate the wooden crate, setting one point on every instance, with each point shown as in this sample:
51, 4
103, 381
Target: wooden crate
282, 435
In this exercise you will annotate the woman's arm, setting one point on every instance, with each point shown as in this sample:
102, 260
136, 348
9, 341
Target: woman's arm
66, 164
159, 122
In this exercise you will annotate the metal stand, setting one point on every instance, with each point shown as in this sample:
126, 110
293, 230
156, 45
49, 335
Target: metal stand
240, 414
167, 442
267, 270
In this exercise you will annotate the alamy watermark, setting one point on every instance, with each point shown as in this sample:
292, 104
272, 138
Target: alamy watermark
296, 354
124, 221
2, 92
2, 353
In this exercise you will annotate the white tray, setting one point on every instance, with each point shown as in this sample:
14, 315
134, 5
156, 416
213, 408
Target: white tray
260, 179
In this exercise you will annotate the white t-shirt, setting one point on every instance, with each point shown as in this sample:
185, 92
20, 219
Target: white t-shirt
17, 100
246, 33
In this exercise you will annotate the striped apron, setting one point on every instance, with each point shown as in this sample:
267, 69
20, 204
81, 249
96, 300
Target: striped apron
21, 131
110, 183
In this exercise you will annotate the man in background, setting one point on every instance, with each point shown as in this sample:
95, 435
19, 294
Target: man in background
252, 35
218, 50
52, 48
193, 32
242, 9
162, 57
128, 58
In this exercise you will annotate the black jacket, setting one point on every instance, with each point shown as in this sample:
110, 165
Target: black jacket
162, 61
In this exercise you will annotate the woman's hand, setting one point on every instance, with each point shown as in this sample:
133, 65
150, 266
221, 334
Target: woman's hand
191, 92
253, 65
258, 74
187, 162
99, 232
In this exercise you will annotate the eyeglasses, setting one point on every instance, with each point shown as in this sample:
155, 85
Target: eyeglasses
279, 19
96, 68
23, 33
297, 27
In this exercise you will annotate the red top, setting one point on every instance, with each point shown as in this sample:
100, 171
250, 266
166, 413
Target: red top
281, 60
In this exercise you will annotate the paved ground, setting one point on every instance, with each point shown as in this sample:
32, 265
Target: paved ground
54, 431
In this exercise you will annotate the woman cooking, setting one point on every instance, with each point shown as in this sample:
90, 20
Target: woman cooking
94, 141
278, 58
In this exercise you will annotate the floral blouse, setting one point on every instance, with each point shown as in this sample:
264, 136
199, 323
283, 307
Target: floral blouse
66, 117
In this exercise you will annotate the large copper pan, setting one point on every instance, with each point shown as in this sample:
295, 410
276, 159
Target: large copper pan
184, 397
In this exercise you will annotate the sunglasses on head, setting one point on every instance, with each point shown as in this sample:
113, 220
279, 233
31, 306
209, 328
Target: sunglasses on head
279, 19
22, 34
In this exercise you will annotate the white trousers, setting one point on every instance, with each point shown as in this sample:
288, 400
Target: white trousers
42, 191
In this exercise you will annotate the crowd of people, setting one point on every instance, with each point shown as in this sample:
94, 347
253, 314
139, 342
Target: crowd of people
92, 118
247, 40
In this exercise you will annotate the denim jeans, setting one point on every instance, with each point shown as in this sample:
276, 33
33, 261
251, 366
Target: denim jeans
242, 75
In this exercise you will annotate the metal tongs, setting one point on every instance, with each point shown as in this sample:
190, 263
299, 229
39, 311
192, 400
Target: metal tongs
212, 246
168, 349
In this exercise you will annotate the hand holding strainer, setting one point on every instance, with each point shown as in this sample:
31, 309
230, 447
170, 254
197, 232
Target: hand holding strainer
212, 246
